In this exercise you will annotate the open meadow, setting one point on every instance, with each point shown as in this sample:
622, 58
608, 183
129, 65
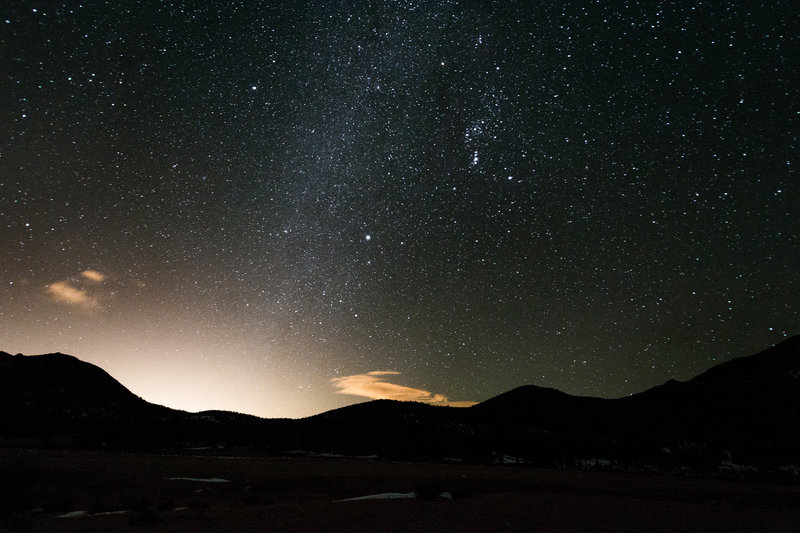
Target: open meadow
156, 492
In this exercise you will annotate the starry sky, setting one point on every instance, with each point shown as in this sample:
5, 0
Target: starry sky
281, 208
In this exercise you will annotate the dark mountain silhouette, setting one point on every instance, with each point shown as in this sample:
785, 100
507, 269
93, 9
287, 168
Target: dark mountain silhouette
59, 400
742, 411
63, 386
747, 406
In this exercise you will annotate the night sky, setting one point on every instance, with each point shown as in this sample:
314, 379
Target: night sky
283, 210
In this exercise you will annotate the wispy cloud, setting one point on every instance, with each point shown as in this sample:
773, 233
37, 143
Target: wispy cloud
94, 275
76, 291
64, 292
374, 385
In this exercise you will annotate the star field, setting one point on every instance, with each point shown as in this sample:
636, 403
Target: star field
234, 205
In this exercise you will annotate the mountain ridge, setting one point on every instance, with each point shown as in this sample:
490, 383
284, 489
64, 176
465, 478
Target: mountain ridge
739, 410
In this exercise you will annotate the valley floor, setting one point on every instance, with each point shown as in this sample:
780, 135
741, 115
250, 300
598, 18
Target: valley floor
150, 492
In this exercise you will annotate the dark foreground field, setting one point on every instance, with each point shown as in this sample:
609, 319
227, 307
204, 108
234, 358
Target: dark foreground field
264, 494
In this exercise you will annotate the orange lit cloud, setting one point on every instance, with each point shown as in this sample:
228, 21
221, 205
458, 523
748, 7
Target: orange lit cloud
62, 291
93, 275
82, 292
373, 385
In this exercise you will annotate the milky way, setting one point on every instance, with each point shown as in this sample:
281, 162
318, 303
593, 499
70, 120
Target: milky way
236, 206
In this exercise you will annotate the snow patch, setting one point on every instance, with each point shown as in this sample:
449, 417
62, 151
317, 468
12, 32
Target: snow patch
394, 496
203, 480
383, 496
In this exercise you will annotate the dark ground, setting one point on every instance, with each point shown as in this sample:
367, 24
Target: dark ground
268, 494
